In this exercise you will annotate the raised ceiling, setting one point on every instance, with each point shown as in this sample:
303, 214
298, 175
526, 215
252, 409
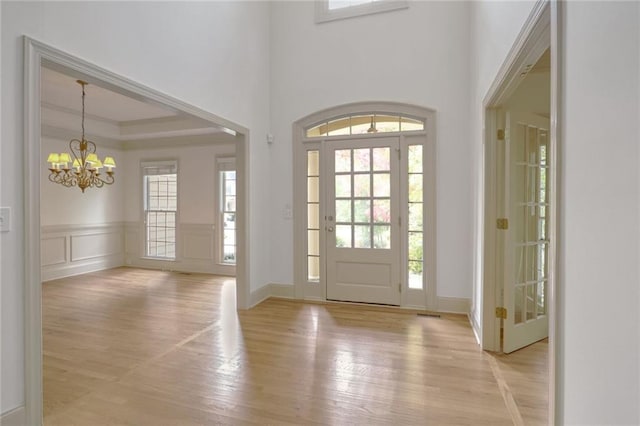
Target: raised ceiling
118, 120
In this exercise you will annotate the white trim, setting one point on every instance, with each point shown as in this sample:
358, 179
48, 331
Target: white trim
324, 14
454, 305
475, 326
15, 417
260, 295
282, 291
37, 54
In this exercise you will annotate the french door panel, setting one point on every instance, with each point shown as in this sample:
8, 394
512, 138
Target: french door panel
362, 222
526, 245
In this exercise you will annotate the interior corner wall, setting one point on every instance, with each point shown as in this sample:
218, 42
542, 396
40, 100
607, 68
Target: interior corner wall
214, 55
420, 56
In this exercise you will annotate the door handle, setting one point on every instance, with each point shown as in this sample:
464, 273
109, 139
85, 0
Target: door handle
330, 229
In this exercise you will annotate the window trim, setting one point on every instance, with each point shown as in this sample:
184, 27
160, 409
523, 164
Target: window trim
324, 14
173, 163
224, 164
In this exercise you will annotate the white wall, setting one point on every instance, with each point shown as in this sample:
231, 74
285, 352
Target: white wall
418, 56
214, 55
70, 206
598, 284
599, 278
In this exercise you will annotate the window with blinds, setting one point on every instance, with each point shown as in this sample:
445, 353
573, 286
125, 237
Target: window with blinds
160, 192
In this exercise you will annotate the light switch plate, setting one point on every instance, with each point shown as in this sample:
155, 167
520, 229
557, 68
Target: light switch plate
5, 219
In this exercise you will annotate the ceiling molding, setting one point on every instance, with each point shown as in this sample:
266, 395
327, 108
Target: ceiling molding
219, 138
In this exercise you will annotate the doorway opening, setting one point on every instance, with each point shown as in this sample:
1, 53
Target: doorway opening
39, 57
364, 205
520, 196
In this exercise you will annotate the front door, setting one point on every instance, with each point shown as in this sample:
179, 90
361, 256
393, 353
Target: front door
363, 214
527, 237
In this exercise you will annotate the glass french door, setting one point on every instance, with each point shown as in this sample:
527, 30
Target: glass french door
362, 222
527, 238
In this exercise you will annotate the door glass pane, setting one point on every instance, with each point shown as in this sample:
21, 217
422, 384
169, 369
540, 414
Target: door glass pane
343, 186
415, 274
313, 240
362, 236
530, 272
313, 163
542, 306
519, 263
381, 185
313, 189
362, 211
362, 160
519, 304
313, 267
341, 126
415, 159
382, 211
387, 123
415, 216
531, 301
415, 188
381, 236
313, 219
361, 185
343, 210
415, 246
409, 124
381, 159
343, 236
343, 160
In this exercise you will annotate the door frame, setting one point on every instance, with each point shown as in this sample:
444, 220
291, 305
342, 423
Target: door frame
305, 290
37, 54
540, 31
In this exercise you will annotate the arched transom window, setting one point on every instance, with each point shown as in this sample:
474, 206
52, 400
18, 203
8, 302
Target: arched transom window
362, 124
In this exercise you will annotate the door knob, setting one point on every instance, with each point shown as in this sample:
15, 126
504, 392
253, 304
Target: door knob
330, 218
330, 229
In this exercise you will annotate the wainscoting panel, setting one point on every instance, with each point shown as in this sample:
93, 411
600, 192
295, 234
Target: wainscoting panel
77, 249
54, 250
96, 245
196, 250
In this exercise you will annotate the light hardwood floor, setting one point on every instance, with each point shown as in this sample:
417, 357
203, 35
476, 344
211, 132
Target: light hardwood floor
138, 347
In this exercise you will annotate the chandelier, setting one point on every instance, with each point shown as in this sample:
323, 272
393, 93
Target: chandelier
83, 170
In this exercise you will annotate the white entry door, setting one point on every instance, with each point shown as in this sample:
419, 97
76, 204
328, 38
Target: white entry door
527, 237
362, 231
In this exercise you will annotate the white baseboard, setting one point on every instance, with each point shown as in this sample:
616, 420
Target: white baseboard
260, 295
282, 291
15, 417
454, 305
475, 326
70, 270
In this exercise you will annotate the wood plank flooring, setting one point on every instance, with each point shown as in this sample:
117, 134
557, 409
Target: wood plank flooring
139, 347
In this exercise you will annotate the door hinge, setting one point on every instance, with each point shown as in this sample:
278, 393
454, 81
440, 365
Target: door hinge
501, 312
502, 223
400, 287
500, 134
399, 220
398, 151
